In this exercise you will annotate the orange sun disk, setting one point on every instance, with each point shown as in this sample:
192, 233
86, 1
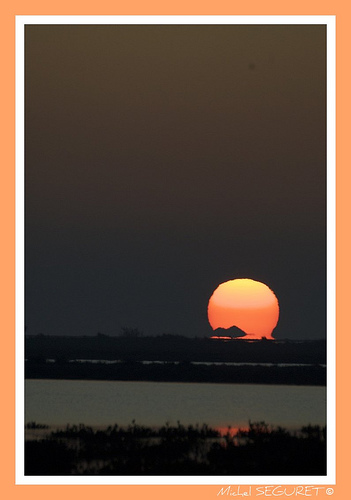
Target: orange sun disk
247, 304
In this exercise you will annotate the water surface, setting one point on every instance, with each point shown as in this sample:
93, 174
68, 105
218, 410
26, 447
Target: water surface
102, 403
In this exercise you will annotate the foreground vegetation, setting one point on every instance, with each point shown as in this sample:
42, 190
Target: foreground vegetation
177, 450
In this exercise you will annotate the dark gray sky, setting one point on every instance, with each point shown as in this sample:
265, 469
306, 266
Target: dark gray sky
163, 160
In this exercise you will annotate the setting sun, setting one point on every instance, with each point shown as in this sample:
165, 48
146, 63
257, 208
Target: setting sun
247, 304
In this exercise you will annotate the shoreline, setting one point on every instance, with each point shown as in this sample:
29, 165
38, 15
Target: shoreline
313, 375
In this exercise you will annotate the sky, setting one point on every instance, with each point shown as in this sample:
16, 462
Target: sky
162, 160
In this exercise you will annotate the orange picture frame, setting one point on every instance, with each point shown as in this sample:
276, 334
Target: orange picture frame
9, 11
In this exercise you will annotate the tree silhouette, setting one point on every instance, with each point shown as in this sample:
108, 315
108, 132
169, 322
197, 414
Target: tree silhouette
131, 332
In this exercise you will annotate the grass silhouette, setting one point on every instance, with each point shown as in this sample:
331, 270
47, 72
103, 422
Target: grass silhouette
178, 450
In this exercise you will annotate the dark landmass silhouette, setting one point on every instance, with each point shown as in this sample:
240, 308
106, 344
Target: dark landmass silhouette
259, 449
178, 372
233, 332
174, 348
172, 358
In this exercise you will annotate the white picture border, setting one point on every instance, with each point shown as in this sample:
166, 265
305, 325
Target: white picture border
330, 478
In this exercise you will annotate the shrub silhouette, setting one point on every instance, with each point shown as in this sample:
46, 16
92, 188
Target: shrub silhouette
48, 458
178, 450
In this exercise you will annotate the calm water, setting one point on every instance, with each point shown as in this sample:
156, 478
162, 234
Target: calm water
207, 363
58, 402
